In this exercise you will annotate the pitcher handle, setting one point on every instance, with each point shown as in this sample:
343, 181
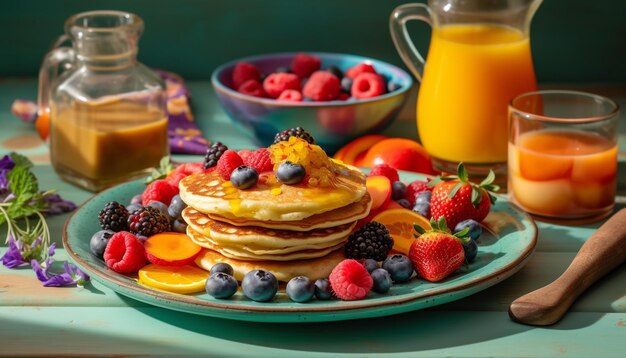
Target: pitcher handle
401, 39
58, 60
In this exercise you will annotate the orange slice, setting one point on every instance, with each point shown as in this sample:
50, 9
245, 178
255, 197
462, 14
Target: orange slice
400, 222
171, 249
177, 279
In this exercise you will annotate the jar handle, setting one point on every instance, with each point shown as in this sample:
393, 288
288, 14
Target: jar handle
58, 60
401, 39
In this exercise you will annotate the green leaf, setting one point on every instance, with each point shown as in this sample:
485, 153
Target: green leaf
420, 230
21, 160
436, 180
476, 197
462, 172
489, 179
441, 223
22, 182
165, 166
454, 190
462, 233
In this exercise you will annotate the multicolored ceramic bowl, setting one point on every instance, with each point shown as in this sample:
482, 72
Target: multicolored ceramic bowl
332, 123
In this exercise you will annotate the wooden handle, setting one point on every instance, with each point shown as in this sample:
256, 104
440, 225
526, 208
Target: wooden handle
601, 253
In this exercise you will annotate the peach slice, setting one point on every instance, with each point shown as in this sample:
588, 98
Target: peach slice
171, 249
600, 166
400, 153
379, 188
594, 196
550, 197
351, 151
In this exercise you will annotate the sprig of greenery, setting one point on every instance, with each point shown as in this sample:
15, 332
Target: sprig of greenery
165, 166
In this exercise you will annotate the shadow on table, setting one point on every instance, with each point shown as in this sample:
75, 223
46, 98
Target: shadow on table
425, 330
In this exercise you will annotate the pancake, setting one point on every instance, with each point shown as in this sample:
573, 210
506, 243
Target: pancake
344, 215
238, 251
210, 194
226, 234
283, 270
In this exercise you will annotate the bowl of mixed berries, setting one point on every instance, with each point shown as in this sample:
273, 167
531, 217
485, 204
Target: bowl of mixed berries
336, 97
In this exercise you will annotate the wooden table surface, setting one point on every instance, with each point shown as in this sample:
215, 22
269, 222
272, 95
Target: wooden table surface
95, 321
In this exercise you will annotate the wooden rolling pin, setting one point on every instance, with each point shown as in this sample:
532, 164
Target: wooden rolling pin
601, 253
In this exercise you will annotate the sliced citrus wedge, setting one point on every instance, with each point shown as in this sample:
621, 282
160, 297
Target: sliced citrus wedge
177, 279
400, 222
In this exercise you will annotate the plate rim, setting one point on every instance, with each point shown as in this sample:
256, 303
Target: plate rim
112, 280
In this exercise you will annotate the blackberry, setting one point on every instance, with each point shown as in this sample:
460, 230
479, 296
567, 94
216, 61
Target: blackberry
372, 241
113, 217
213, 154
294, 132
148, 221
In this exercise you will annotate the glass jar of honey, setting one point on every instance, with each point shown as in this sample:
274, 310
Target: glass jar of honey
108, 122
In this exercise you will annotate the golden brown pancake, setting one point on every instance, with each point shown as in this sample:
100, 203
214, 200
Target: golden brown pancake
344, 215
243, 252
209, 193
283, 270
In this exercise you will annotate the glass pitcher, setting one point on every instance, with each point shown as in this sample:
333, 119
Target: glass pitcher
479, 59
107, 112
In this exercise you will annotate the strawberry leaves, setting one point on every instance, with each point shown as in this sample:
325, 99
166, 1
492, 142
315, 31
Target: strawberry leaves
463, 179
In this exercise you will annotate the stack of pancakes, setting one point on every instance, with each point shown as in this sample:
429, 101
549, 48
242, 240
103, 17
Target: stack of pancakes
290, 230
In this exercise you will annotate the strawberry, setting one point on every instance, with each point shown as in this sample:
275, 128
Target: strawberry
456, 199
437, 253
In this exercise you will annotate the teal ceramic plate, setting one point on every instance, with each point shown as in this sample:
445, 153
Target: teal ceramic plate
507, 242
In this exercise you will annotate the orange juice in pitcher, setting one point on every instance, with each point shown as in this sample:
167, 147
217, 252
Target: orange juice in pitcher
479, 59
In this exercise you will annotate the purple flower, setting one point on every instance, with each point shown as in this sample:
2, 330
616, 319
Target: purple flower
71, 276
13, 256
6, 164
57, 205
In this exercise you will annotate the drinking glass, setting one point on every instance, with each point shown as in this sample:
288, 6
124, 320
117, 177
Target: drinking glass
562, 157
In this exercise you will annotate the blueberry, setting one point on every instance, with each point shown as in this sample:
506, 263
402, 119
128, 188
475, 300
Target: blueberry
161, 207
370, 265
398, 190
346, 85
137, 199
221, 285
99, 242
382, 280
471, 250
244, 177
335, 71
422, 209
423, 197
393, 86
179, 225
133, 207
300, 289
474, 228
282, 69
176, 207
404, 203
290, 173
323, 289
222, 267
259, 285
400, 268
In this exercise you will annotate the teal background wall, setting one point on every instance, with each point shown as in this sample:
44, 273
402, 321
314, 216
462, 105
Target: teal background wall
572, 40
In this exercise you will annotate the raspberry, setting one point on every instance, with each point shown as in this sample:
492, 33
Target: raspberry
386, 171
252, 88
213, 154
124, 253
245, 154
260, 160
368, 85
290, 95
227, 163
362, 67
343, 96
322, 86
415, 188
243, 72
350, 280
304, 65
183, 170
276, 83
159, 190
113, 217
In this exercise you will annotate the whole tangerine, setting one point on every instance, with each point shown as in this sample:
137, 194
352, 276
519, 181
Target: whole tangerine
399, 153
